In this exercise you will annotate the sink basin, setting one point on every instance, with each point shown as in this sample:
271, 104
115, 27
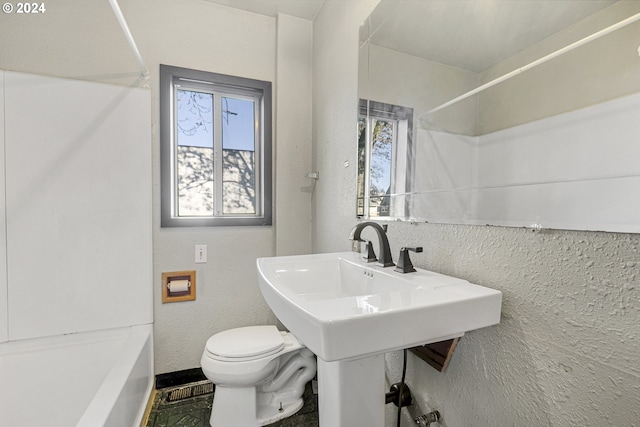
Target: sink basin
349, 313
343, 308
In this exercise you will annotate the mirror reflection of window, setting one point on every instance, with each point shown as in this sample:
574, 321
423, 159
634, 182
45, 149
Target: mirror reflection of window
384, 140
362, 154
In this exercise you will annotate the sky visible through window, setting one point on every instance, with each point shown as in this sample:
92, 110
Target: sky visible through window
195, 114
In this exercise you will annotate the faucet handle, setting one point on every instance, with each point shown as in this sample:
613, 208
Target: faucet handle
404, 264
412, 248
370, 255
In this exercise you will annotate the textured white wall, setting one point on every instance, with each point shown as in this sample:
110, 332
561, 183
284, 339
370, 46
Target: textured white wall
566, 352
83, 40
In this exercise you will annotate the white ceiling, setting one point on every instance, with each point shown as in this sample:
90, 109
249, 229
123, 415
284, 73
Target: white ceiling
469, 34
305, 9
473, 34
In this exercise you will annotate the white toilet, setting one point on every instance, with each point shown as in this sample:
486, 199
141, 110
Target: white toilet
260, 374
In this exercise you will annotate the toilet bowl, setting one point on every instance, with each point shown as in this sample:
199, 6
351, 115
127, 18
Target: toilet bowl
260, 375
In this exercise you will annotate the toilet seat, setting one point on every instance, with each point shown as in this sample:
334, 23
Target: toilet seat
246, 343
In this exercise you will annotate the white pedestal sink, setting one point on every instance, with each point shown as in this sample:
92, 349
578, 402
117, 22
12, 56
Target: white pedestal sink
349, 313
351, 392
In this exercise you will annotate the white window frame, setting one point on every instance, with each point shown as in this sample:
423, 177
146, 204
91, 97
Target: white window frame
172, 78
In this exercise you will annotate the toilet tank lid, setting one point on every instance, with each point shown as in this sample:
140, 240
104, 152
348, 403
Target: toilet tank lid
246, 342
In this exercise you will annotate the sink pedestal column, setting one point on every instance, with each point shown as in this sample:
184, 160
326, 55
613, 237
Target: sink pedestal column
351, 392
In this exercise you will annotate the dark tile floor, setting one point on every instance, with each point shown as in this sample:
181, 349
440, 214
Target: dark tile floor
195, 411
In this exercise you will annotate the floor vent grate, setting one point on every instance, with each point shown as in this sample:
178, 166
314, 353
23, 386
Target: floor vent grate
188, 391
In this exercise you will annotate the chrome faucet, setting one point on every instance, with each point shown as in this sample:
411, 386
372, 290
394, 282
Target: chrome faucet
385, 259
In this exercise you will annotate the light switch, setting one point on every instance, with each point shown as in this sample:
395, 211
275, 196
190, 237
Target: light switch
201, 254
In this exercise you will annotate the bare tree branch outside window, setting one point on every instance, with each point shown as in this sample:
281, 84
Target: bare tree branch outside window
195, 155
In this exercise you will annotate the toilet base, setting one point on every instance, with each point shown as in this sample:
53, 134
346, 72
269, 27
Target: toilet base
269, 414
241, 407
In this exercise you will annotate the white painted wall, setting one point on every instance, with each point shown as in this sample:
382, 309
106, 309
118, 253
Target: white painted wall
293, 136
4, 313
575, 171
599, 71
566, 352
409, 81
442, 160
83, 40
78, 180
335, 89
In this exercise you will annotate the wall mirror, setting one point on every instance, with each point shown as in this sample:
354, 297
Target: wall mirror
518, 113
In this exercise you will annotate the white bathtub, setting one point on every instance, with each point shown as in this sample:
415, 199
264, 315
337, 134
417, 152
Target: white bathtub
89, 379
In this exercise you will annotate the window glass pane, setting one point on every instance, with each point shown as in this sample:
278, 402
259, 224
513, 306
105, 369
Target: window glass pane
238, 151
384, 141
238, 130
215, 149
194, 131
381, 152
362, 155
195, 118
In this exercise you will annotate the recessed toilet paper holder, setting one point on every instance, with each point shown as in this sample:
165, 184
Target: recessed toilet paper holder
178, 286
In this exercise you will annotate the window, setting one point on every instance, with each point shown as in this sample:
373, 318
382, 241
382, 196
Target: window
384, 144
215, 137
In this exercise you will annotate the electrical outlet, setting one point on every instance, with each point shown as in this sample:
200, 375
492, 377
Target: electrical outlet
201, 254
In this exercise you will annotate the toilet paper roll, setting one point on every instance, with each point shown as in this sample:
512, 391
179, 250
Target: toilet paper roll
178, 286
